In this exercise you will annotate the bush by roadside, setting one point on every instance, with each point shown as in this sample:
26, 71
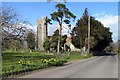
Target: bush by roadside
87, 55
79, 56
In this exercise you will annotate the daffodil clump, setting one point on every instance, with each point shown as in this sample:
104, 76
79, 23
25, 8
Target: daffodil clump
54, 61
23, 62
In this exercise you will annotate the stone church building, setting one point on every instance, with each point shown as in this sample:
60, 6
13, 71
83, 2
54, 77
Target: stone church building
41, 32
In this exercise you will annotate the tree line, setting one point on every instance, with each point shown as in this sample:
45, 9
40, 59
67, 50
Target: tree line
15, 31
100, 35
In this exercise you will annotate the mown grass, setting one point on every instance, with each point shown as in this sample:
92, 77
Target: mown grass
14, 63
78, 56
11, 64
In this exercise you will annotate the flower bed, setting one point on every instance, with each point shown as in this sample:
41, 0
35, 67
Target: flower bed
54, 62
24, 66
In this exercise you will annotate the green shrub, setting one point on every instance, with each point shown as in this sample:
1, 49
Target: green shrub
86, 55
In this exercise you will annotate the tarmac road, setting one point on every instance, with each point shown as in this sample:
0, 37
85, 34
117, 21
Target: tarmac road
95, 67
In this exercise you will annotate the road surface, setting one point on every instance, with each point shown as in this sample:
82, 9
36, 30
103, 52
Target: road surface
95, 67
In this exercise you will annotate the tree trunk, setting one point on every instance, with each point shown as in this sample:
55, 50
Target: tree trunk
59, 38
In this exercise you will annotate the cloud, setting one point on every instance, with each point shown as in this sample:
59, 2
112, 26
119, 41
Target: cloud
34, 28
65, 29
110, 21
51, 29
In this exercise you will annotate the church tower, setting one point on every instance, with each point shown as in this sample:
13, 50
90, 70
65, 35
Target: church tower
41, 32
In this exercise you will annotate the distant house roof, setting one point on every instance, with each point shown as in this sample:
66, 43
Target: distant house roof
68, 39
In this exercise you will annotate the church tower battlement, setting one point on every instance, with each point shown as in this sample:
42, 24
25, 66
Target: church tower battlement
41, 32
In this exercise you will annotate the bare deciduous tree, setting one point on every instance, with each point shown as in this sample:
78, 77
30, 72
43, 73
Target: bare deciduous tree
12, 26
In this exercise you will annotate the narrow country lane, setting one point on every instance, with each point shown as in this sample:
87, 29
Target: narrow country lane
95, 67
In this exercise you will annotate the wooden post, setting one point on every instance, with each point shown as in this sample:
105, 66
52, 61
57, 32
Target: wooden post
88, 33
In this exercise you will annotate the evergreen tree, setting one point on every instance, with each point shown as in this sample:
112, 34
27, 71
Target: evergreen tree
102, 35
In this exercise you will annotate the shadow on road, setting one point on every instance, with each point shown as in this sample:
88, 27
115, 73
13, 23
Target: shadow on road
103, 54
